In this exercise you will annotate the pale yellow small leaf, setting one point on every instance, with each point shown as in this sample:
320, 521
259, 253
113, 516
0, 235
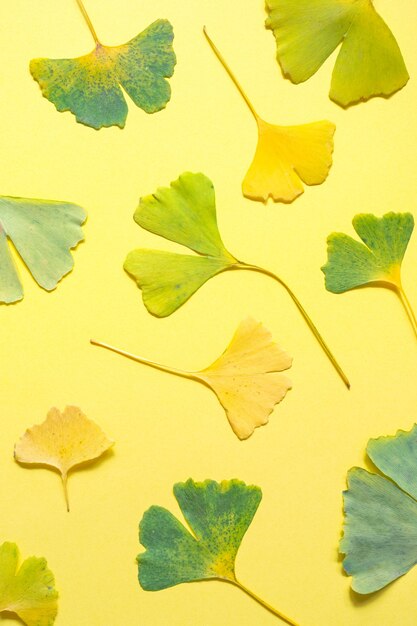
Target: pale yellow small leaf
63, 441
246, 377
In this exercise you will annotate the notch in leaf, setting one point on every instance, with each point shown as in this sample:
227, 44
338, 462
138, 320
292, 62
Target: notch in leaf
286, 156
186, 214
246, 378
380, 531
43, 232
218, 515
369, 63
376, 261
29, 591
91, 86
63, 442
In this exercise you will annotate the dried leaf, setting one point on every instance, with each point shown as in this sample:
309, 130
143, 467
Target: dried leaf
308, 31
90, 86
63, 441
245, 378
28, 591
43, 232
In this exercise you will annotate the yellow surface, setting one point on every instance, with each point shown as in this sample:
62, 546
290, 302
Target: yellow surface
168, 429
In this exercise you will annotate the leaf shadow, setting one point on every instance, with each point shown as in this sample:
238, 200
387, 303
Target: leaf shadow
10, 615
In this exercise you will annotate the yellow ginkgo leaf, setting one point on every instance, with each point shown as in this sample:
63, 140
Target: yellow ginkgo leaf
63, 441
246, 378
286, 156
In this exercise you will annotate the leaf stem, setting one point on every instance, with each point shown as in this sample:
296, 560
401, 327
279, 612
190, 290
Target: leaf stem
139, 359
229, 71
265, 604
408, 308
65, 486
89, 22
305, 315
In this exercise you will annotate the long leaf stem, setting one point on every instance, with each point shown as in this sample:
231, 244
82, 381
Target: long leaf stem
264, 604
230, 73
65, 486
408, 308
88, 20
305, 315
134, 357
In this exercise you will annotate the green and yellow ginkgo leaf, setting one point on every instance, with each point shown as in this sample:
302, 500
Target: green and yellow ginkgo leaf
380, 531
91, 86
285, 156
246, 378
185, 213
308, 31
218, 515
376, 261
43, 232
29, 591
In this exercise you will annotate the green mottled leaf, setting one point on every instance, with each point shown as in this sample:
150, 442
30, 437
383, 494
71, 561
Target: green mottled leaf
91, 86
308, 31
29, 591
43, 232
380, 533
378, 259
218, 515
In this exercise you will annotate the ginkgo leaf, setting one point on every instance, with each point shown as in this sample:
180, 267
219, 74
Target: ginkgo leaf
380, 532
218, 516
63, 441
246, 378
308, 31
43, 232
91, 86
27, 591
185, 213
286, 156
376, 261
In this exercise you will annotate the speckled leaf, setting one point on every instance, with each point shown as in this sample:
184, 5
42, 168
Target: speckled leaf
218, 515
43, 232
308, 31
380, 533
91, 86
28, 591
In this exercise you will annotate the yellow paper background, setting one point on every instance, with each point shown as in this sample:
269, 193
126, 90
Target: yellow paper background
168, 429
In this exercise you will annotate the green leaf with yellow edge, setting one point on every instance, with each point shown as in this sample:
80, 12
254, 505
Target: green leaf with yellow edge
377, 261
43, 232
307, 31
91, 86
380, 531
246, 378
27, 591
185, 213
64, 441
218, 516
285, 156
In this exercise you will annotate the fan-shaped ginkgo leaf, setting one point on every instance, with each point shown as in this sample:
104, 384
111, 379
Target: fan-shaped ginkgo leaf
218, 515
380, 533
308, 31
63, 441
27, 591
376, 261
286, 156
246, 378
185, 213
43, 232
91, 86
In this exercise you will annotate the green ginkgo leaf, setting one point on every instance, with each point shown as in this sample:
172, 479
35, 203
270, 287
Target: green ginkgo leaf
29, 591
185, 213
380, 532
218, 515
308, 31
376, 261
43, 232
91, 86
